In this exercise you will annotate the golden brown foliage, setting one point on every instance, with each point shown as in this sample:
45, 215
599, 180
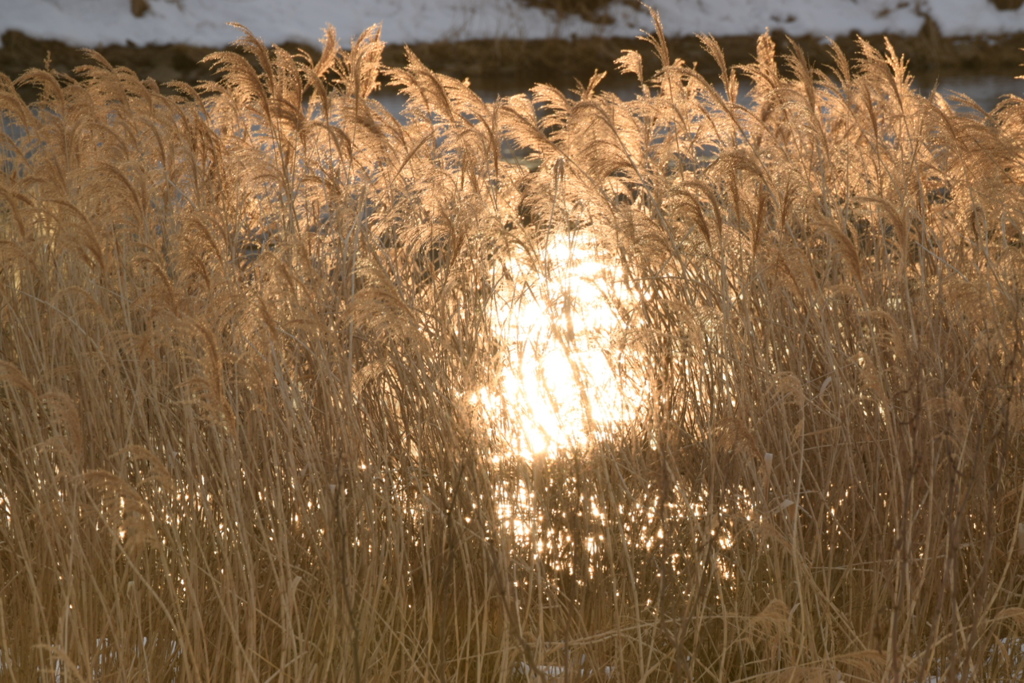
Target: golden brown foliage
240, 328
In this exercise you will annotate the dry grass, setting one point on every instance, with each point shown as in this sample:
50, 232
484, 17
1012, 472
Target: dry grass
591, 10
240, 331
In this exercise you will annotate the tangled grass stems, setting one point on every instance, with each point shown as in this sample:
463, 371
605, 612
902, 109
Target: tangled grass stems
243, 327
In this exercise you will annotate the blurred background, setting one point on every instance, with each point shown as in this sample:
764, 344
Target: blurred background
504, 46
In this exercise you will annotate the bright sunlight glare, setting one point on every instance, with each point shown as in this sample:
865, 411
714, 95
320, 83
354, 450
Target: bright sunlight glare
566, 375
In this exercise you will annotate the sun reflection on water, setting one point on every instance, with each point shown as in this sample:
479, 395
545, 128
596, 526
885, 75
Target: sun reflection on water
565, 411
566, 374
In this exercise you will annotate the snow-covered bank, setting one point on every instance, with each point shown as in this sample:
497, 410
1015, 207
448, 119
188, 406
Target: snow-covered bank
204, 22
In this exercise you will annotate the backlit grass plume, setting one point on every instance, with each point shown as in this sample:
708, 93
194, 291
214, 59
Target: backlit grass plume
264, 405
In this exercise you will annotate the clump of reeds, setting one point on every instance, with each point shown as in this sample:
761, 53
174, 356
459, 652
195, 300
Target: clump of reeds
242, 328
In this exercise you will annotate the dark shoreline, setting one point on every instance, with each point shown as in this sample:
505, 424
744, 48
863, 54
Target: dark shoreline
513, 65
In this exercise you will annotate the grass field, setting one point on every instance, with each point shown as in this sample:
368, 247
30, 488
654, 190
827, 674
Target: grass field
555, 387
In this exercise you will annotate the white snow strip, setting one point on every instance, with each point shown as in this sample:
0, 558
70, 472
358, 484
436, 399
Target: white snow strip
205, 22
